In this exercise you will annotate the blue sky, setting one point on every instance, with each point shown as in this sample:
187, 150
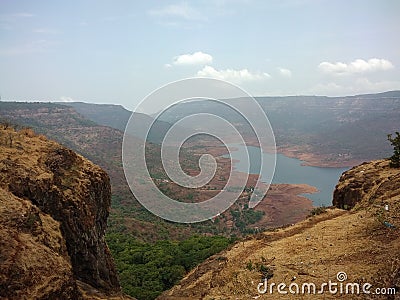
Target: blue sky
120, 51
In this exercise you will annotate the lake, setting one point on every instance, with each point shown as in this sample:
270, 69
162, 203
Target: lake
290, 170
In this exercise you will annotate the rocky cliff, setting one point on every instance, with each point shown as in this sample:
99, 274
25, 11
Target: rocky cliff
53, 215
368, 184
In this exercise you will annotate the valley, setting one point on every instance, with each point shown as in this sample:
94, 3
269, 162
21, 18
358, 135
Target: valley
203, 149
95, 131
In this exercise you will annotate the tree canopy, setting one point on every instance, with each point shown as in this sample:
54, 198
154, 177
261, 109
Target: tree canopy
146, 270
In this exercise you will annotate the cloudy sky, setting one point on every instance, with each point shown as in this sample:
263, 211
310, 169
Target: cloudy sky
120, 51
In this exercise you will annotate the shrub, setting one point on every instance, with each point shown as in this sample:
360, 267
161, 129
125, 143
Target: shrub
28, 132
395, 158
249, 266
266, 271
317, 211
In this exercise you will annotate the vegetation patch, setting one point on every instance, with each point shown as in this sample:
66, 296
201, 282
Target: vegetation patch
317, 211
395, 158
146, 270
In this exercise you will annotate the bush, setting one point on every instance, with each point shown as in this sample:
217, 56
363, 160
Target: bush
27, 132
249, 266
395, 158
266, 271
317, 211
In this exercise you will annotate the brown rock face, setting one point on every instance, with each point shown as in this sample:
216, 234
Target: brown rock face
366, 184
33, 255
55, 184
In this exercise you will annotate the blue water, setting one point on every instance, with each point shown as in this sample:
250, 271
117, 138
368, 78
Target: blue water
290, 170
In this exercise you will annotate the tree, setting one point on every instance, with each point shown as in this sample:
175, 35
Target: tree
395, 158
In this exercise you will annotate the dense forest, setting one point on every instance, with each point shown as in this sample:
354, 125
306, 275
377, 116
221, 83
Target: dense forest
147, 269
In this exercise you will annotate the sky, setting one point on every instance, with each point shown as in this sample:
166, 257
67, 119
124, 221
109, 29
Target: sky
120, 51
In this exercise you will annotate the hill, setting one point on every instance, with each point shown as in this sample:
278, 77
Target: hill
322, 131
362, 241
117, 117
341, 130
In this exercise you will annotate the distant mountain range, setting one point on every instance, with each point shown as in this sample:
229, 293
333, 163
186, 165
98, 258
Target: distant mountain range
116, 116
344, 129
352, 126
339, 128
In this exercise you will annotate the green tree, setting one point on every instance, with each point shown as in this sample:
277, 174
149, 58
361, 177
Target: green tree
395, 158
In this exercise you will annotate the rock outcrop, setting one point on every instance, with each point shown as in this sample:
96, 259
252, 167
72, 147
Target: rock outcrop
367, 184
53, 215
33, 255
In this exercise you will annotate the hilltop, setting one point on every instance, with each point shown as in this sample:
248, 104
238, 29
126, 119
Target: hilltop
362, 241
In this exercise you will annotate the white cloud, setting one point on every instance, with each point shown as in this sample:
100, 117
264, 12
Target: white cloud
66, 99
356, 66
236, 76
267, 75
197, 58
285, 72
181, 10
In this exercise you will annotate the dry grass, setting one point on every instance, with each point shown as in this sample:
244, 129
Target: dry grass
27, 132
356, 242
314, 250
